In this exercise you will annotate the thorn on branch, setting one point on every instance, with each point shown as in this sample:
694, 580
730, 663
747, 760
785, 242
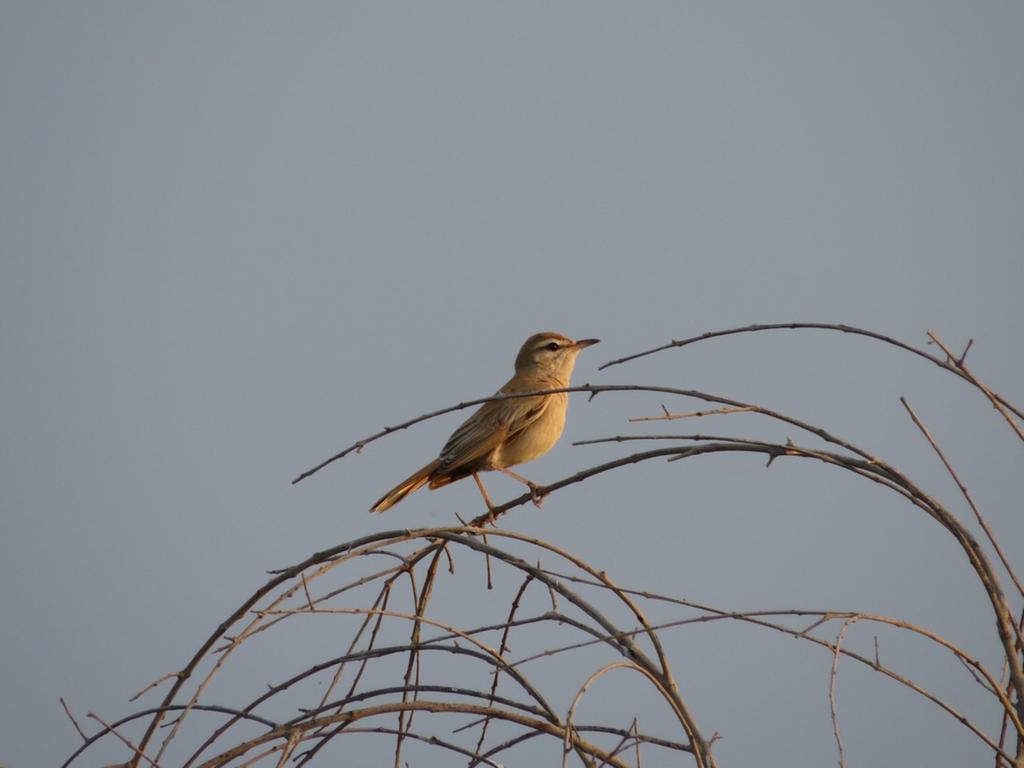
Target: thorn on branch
155, 683
815, 625
963, 355
67, 711
305, 588
551, 594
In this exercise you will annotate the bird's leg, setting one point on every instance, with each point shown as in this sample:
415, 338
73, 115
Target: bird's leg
536, 491
487, 498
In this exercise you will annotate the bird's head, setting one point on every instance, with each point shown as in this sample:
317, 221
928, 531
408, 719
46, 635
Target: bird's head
551, 355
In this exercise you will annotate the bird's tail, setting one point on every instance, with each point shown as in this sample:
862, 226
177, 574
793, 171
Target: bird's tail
414, 482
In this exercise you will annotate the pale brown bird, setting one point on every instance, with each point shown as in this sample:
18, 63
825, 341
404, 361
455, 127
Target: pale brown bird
503, 433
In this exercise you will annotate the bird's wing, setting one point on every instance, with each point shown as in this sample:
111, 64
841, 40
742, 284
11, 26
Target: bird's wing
493, 424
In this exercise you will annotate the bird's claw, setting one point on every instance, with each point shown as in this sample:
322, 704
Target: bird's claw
491, 518
537, 495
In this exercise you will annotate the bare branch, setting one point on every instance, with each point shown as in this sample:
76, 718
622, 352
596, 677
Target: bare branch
74, 722
669, 416
780, 327
832, 690
127, 742
967, 496
396, 620
1006, 409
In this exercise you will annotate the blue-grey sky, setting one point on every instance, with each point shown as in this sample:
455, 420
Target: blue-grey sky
236, 237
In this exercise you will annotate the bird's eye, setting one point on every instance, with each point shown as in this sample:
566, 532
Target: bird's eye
553, 346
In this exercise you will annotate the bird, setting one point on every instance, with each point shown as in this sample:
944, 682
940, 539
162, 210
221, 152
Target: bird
504, 433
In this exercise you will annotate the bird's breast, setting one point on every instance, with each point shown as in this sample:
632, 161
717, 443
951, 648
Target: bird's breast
536, 439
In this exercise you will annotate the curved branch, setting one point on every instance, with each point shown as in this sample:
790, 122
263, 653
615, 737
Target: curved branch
286, 731
627, 647
870, 467
757, 327
954, 365
109, 728
593, 390
595, 676
283, 576
757, 619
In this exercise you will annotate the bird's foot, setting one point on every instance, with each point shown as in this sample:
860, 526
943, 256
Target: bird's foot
537, 494
491, 518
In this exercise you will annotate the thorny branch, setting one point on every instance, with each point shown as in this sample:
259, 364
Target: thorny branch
587, 614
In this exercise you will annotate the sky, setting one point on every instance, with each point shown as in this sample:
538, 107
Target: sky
237, 237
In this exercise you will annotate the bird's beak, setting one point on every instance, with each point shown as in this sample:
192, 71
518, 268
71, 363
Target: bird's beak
586, 342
